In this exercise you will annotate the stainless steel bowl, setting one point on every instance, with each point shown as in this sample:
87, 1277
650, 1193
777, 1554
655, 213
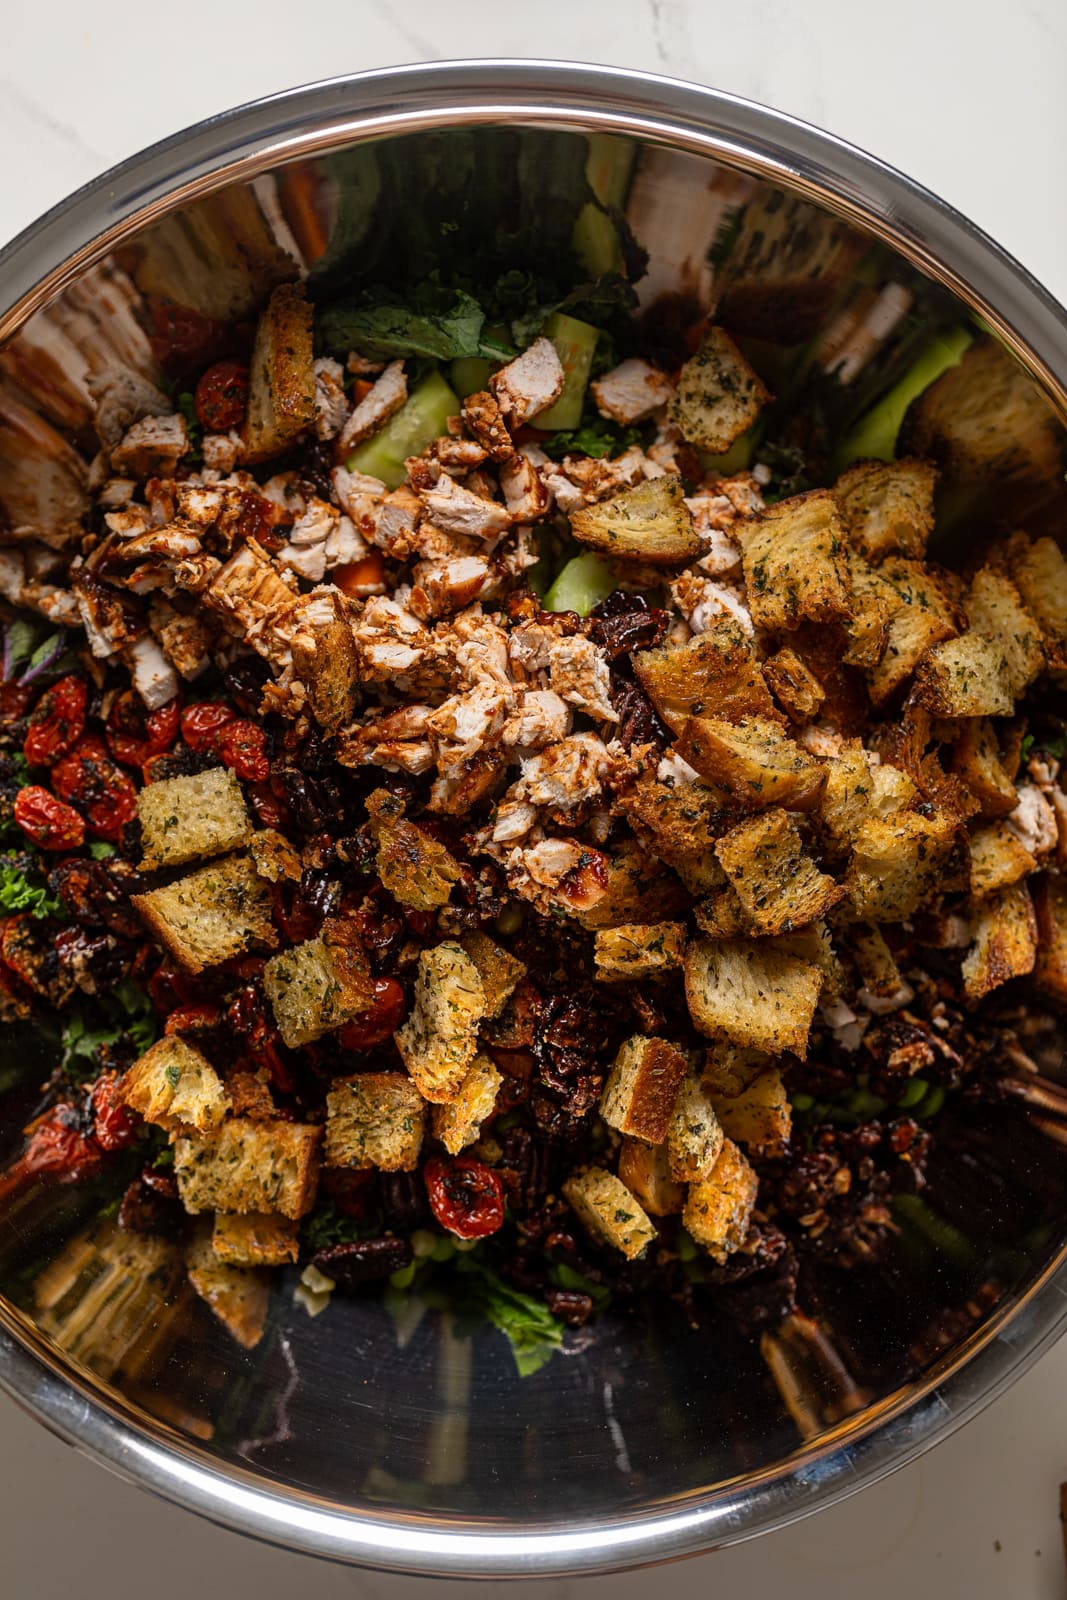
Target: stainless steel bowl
427, 1454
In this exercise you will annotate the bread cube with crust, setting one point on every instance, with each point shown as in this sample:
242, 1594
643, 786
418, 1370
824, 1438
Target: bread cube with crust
976, 758
876, 600
609, 1212
927, 616
649, 522
1039, 571
415, 867
754, 760
995, 608
1005, 941
888, 506
749, 1097
274, 856
646, 1172
965, 677
678, 823
249, 1165
500, 971
1050, 909
752, 994
375, 1119
638, 890
238, 1296
638, 950
281, 400
326, 658
719, 395
718, 1209
898, 862
221, 911
998, 859
459, 1123
183, 819
716, 671
175, 1087
846, 799
642, 1088
694, 1136
317, 986
775, 879
439, 1040
883, 988
794, 685
255, 1239
795, 562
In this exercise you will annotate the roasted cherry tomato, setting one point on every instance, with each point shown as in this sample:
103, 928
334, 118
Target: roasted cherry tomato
183, 340
115, 1126
192, 1019
358, 578
377, 1024
202, 723
90, 780
466, 1196
134, 738
46, 821
242, 747
222, 396
58, 1150
57, 723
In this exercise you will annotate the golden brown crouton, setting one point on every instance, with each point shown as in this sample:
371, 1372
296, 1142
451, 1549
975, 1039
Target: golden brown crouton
776, 881
221, 911
976, 758
645, 1170
315, 987
845, 801
638, 950
607, 1209
749, 1097
439, 1040
255, 1239
500, 971
927, 616
238, 1296
249, 1165
752, 994
795, 561
719, 1209
718, 397
998, 858
758, 763
965, 677
694, 1137
1005, 941
642, 1087
722, 915
325, 658
815, 945
1050, 907
875, 602
175, 1087
995, 608
1039, 571
882, 979
415, 867
899, 862
888, 506
715, 672
649, 522
186, 818
375, 1119
459, 1123
789, 265
638, 890
794, 686
678, 823
281, 401
274, 856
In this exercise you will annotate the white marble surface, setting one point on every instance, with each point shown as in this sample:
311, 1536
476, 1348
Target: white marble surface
966, 97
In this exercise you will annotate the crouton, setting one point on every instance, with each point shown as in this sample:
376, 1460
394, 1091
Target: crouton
679, 823
976, 758
815, 945
776, 881
1005, 941
281, 400
723, 916
459, 1123
255, 1239
638, 950
607, 1209
649, 522
995, 608
186, 818
415, 867
927, 616
316, 987
642, 1087
645, 1170
749, 1097
638, 890
274, 856
718, 397
375, 1119
221, 911
249, 1165
717, 671
891, 789
439, 1040
718, 1210
795, 562
789, 265
238, 1296
846, 798
965, 677
752, 994
694, 1137
500, 972
794, 686
758, 763
175, 1087
326, 659
898, 862
888, 507
1039, 571
875, 602
998, 858
1050, 908
883, 986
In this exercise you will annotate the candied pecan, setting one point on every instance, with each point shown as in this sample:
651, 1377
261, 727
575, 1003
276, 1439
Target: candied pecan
626, 622
404, 1202
569, 1306
364, 1261
94, 960
638, 719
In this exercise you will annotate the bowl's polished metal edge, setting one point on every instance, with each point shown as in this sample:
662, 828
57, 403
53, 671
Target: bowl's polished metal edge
240, 145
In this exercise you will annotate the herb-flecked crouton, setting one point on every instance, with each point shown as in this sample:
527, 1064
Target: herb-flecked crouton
927, 616
1039, 571
876, 600
796, 564
175, 1087
995, 608
415, 867
722, 915
274, 856
439, 1040
678, 823
718, 1210
998, 858
249, 1165
855, 790
638, 890
255, 1239
500, 971
645, 1170
718, 397
459, 1123
715, 672
883, 984
755, 760
1050, 909
642, 1087
221, 911
238, 1296
898, 862
375, 1119
965, 677
976, 758
752, 994
694, 1137
776, 881
607, 1209
888, 506
638, 950
325, 658
317, 986
1005, 941
183, 819
749, 1097
649, 522
281, 400
794, 686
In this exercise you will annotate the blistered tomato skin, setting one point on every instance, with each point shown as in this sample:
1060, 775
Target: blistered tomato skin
242, 747
379, 1023
222, 396
90, 780
466, 1196
115, 1126
134, 738
59, 1150
202, 724
46, 821
57, 722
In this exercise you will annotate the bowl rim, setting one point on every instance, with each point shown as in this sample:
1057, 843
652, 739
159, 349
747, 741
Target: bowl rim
250, 140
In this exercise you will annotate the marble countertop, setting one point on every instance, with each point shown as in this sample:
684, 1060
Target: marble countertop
969, 106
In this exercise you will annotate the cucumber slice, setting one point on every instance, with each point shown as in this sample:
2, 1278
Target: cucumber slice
874, 436
469, 374
608, 167
582, 584
575, 344
421, 419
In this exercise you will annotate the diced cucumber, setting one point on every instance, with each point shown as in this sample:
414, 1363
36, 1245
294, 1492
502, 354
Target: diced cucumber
608, 167
874, 436
739, 456
422, 418
575, 344
582, 584
469, 374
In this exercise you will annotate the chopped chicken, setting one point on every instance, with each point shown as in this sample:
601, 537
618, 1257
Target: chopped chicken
183, 638
631, 391
700, 601
152, 447
123, 398
392, 643
221, 451
565, 776
106, 616
361, 497
386, 395
558, 874
17, 587
331, 402
116, 493
459, 455
321, 538
465, 723
479, 649
1033, 822
540, 718
513, 820
483, 418
578, 673
362, 366
396, 740
396, 523
176, 541
578, 481
456, 509
153, 676
440, 587
529, 384
252, 597
525, 495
